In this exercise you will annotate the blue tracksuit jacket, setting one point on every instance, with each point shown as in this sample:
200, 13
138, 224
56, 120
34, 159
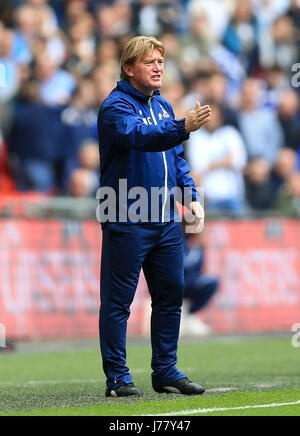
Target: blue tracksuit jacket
140, 141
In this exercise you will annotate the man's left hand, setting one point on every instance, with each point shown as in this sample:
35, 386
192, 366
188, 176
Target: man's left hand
199, 214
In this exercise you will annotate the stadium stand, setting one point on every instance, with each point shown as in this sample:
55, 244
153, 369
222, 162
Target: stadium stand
61, 60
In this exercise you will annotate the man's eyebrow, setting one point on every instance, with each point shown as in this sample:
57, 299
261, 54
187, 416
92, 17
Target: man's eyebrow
153, 59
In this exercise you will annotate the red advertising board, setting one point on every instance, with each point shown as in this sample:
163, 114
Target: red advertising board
50, 270
258, 263
49, 278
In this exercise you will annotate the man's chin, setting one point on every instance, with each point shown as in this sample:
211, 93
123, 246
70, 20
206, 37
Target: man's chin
156, 85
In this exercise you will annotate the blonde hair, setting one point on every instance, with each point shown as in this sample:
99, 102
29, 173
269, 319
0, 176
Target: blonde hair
137, 48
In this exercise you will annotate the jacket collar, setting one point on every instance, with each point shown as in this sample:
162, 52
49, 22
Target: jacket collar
125, 86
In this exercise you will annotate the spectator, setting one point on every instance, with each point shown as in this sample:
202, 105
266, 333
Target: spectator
288, 201
217, 21
175, 93
200, 287
172, 46
88, 159
286, 164
26, 23
45, 16
268, 10
41, 151
81, 60
11, 73
197, 46
81, 183
198, 88
34, 141
55, 85
37, 25
294, 13
218, 90
73, 11
263, 183
108, 52
278, 45
275, 84
20, 50
79, 119
218, 154
261, 186
103, 81
241, 35
155, 17
289, 118
8, 92
259, 126
89, 155
114, 20
215, 50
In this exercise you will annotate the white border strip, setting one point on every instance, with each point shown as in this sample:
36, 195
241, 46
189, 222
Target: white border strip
225, 409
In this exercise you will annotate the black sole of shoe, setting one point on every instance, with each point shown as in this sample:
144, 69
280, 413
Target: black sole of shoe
176, 392
113, 394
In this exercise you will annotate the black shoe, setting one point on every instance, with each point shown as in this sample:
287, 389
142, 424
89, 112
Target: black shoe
124, 391
183, 386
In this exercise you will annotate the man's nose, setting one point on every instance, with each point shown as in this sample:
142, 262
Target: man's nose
157, 66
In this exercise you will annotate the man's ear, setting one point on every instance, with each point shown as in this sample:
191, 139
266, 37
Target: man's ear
128, 68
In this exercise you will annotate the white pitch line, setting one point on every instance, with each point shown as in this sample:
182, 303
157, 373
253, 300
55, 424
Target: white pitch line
225, 409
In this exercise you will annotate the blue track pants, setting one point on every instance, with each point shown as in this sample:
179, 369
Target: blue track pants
158, 249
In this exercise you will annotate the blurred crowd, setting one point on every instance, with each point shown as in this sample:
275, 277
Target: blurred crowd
60, 59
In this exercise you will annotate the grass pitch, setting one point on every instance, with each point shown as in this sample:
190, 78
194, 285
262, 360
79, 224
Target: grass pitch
243, 376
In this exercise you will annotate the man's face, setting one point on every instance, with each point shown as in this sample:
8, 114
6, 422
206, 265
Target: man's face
146, 74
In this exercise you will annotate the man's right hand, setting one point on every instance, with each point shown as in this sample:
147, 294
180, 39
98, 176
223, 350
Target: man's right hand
197, 118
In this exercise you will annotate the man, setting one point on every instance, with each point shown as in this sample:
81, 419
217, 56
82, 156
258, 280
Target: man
260, 127
140, 146
200, 287
217, 154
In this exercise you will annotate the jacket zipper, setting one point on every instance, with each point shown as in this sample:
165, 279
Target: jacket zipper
165, 164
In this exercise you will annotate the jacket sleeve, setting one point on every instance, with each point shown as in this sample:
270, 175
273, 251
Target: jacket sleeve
123, 127
184, 180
